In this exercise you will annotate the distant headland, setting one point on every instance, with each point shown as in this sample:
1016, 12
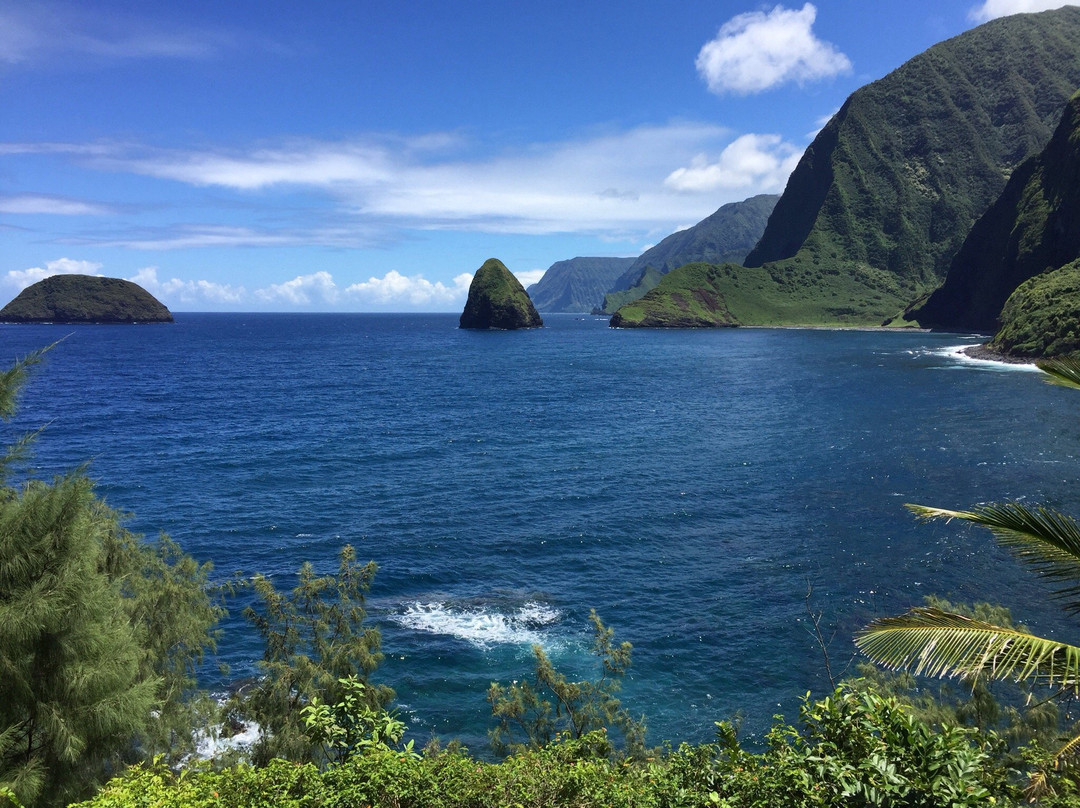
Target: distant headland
73, 299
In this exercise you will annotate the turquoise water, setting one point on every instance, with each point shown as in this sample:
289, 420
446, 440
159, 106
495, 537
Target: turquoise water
687, 485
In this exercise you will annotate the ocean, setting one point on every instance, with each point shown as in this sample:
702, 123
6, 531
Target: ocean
691, 486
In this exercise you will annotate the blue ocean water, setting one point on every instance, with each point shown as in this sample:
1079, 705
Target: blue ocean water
689, 485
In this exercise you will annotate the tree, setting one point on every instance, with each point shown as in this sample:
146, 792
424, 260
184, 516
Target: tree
933, 642
315, 640
537, 712
99, 633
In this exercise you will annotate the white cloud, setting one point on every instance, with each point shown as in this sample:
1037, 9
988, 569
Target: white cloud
759, 162
208, 236
304, 290
632, 184
21, 278
991, 9
760, 50
611, 181
50, 205
175, 291
530, 276
318, 290
414, 291
392, 291
51, 33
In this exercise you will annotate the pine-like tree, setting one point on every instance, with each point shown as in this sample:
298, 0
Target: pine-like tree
99, 632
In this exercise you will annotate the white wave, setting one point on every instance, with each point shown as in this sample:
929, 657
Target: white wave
481, 627
209, 743
958, 354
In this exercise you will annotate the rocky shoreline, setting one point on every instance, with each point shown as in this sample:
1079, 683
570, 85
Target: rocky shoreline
985, 354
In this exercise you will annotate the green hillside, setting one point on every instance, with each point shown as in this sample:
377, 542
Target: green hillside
885, 195
725, 236
1042, 317
577, 285
84, 299
1033, 226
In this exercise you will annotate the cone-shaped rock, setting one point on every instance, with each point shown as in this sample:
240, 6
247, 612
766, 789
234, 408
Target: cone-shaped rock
498, 300
84, 299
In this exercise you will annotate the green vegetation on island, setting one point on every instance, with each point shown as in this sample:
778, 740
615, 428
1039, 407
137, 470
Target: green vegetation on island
725, 236
577, 285
885, 195
498, 300
84, 299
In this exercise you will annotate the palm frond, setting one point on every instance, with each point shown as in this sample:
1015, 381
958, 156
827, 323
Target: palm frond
1068, 752
1039, 783
1043, 539
1064, 371
931, 642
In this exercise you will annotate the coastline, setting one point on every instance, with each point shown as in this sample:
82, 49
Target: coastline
985, 354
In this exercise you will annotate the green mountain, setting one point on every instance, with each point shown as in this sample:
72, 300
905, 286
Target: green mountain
725, 236
84, 299
577, 285
498, 300
1033, 226
885, 195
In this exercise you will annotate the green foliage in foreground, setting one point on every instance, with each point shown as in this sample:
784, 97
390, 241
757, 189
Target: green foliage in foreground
850, 749
931, 641
100, 634
528, 718
1042, 317
316, 642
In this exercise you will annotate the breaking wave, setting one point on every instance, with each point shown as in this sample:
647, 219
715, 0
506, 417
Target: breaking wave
479, 626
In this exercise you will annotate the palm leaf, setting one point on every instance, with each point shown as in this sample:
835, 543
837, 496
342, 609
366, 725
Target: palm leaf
1064, 371
1043, 539
931, 642
1038, 785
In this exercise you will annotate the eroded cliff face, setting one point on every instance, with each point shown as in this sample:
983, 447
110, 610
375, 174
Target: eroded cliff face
1034, 226
498, 300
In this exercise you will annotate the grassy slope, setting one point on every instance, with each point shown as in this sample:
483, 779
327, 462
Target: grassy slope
804, 294
725, 236
885, 195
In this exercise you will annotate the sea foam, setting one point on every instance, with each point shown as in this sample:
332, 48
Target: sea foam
479, 626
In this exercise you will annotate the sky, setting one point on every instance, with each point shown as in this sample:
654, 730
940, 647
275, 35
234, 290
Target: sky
370, 156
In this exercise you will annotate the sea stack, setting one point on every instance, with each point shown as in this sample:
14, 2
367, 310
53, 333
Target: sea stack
73, 299
498, 300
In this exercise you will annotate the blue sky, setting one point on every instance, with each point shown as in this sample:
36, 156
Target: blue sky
361, 156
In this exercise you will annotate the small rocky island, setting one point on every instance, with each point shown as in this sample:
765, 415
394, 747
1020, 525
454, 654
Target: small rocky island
85, 299
498, 300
